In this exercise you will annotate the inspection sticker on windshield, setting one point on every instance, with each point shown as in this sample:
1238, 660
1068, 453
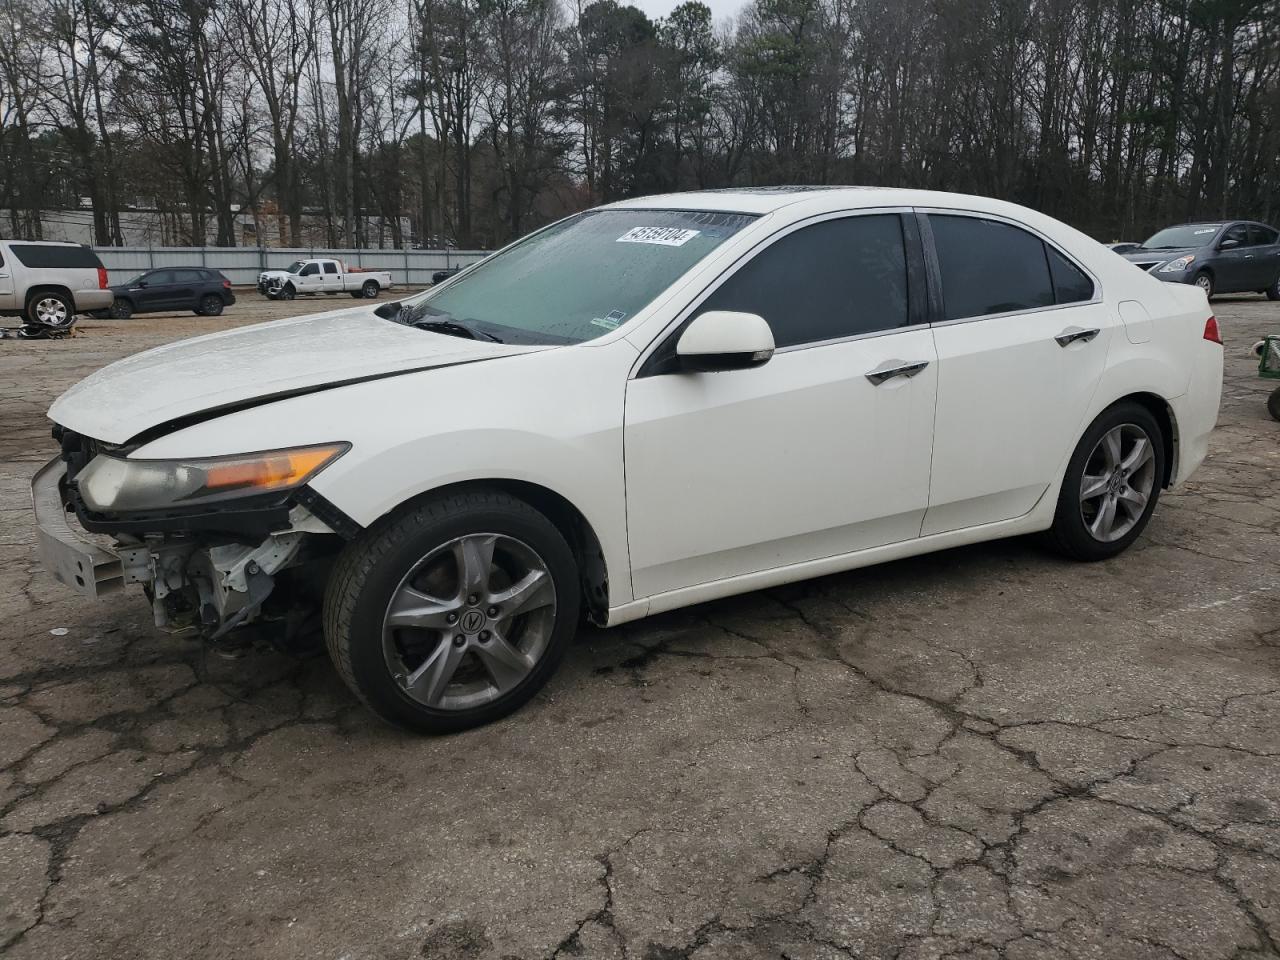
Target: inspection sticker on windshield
662, 236
610, 320
1210, 230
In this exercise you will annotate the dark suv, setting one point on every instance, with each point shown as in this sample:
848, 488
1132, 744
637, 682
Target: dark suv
1224, 256
198, 289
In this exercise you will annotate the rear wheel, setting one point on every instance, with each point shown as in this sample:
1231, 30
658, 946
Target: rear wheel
370, 289
1273, 291
1204, 280
121, 309
454, 612
210, 305
50, 309
1111, 485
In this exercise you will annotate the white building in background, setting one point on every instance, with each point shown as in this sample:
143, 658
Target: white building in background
143, 227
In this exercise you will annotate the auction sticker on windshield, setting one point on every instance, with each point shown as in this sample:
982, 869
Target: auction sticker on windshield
663, 236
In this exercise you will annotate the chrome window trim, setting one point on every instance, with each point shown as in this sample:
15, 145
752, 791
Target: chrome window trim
1098, 296
683, 314
857, 336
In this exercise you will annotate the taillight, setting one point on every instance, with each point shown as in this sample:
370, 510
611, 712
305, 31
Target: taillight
226, 284
102, 278
1211, 331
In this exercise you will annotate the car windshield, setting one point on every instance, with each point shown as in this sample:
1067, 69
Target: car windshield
576, 280
1188, 235
296, 266
134, 281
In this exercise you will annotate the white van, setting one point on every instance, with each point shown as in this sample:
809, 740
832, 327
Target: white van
48, 282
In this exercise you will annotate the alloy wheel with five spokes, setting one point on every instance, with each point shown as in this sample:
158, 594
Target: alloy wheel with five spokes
1117, 482
469, 622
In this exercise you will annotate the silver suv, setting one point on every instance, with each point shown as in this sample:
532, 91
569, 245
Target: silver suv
47, 282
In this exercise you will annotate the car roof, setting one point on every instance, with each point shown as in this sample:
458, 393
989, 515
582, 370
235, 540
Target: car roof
47, 243
762, 200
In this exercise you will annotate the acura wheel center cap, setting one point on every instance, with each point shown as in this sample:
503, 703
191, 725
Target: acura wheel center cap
472, 621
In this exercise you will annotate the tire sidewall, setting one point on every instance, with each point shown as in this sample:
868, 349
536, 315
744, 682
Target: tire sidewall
1068, 522
1208, 278
120, 309
210, 305
368, 665
370, 290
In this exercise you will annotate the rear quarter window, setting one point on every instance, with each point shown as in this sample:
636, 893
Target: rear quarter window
40, 257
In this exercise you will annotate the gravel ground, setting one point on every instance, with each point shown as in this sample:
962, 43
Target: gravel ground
983, 753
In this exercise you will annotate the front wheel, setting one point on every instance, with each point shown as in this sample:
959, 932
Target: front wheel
454, 612
1204, 280
121, 309
287, 292
370, 289
1111, 485
1273, 291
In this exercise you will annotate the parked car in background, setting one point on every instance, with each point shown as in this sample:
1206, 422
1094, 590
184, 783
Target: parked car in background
1224, 256
440, 276
169, 289
323, 276
48, 282
1124, 246
644, 406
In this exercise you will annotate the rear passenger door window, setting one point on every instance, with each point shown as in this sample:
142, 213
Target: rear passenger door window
827, 281
990, 267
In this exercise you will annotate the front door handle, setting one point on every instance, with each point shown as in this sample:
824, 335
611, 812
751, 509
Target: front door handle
895, 368
1072, 334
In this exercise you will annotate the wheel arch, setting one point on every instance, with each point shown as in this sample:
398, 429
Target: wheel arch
38, 288
564, 515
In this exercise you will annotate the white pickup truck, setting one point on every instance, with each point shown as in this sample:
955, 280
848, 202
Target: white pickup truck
322, 276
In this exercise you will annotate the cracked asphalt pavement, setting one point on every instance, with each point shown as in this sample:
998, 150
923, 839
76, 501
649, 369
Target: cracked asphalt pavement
984, 753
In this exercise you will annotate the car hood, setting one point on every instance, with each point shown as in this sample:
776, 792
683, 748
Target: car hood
233, 368
1151, 256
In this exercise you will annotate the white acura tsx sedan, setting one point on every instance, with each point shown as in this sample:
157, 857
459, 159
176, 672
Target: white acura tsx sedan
644, 406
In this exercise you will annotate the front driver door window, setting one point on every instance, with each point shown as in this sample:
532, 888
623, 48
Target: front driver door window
805, 457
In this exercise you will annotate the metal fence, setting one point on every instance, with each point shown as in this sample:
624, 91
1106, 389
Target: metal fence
241, 265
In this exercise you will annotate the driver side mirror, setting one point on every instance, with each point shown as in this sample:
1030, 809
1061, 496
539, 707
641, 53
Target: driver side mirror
1228, 244
725, 340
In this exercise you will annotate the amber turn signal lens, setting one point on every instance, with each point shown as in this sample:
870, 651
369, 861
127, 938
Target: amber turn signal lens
276, 470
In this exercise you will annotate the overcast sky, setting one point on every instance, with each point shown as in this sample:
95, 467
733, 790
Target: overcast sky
721, 10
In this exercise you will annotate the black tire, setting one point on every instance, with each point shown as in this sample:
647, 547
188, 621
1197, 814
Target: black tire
287, 292
1273, 403
121, 309
370, 289
1273, 291
210, 305
1204, 280
40, 311
371, 570
1069, 534
357, 294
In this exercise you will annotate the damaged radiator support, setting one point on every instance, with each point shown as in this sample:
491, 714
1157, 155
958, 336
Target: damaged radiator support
228, 582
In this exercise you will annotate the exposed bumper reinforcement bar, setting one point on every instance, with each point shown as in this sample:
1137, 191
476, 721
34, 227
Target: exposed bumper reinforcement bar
83, 566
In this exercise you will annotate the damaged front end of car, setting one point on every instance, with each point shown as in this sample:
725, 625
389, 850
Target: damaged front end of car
231, 548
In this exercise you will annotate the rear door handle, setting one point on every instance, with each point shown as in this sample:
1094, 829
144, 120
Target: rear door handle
1072, 334
895, 368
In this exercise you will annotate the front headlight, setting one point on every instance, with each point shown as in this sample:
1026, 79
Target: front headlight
116, 483
1179, 265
